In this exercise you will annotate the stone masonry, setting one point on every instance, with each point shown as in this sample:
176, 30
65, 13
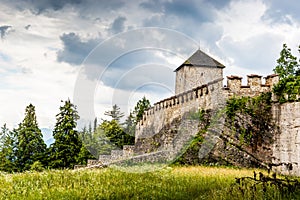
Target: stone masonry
199, 85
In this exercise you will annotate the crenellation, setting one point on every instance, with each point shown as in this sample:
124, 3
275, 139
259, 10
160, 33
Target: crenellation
271, 80
254, 81
199, 86
234, 83
254, 85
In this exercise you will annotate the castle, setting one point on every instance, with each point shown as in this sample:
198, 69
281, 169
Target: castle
165, 130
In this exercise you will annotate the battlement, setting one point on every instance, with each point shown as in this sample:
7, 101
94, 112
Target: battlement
254, 85
166, 110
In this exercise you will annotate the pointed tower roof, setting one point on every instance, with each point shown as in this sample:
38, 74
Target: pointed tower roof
201, 59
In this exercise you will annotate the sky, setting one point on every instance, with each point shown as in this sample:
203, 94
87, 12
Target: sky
98, 53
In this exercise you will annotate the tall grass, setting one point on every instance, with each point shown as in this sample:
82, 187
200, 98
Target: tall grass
110, 183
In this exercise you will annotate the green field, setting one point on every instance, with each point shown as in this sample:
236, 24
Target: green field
111, 183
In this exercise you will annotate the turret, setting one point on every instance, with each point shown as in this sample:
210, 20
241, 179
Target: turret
197, 70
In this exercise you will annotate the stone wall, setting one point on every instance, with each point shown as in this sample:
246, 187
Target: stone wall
189, 77
163, 125
286, 149
253, 88
166, 111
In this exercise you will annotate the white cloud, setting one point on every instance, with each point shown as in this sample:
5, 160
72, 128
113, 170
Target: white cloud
242, 34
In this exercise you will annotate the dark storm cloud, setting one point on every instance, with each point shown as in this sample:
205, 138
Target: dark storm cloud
118, 25
3, 30
192, 9
75, 50
278, 10
83, 6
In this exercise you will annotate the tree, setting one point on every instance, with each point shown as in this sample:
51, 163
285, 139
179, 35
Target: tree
130, 124
95, 124
115, 133
140, 107
30, 146
7, 150
65, 150
115, 113
287, 64
96, 142
288, 69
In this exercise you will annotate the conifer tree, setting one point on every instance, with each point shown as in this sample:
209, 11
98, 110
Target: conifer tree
65, 150
140, 107
30, 146
130, 125
115, 113
7, 154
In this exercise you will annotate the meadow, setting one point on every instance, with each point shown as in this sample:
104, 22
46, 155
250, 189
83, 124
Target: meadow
194, 182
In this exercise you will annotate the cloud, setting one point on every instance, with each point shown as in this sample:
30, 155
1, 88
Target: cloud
53, 37
75, 50
39, 7
118, 25
281, 11
4, 30
249, 54
84, 7
198, 11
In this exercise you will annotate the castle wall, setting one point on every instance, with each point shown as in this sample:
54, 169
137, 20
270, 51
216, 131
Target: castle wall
286, 149
165, 111
189, 77
207, 96
253, 88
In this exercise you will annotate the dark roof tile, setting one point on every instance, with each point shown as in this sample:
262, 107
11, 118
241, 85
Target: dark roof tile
200, 59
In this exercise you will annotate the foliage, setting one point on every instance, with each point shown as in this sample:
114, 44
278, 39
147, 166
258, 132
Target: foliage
288, 69
288, 188
251, 119
65, 150
37, 166
7, 150
140, 107
84, 155
115, 113
167, 183
115, 133
129, 125
189, 155
96, 142
30, 146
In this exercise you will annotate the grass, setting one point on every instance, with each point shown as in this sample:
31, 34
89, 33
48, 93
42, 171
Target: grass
111, 183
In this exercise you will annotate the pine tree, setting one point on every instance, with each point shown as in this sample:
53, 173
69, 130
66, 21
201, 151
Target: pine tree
7, 150
115, 113
65, 150
130, 125
140, 107
115, 133
30, 146
95, 124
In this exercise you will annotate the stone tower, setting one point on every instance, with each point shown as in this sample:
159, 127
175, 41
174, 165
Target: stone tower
199, 69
